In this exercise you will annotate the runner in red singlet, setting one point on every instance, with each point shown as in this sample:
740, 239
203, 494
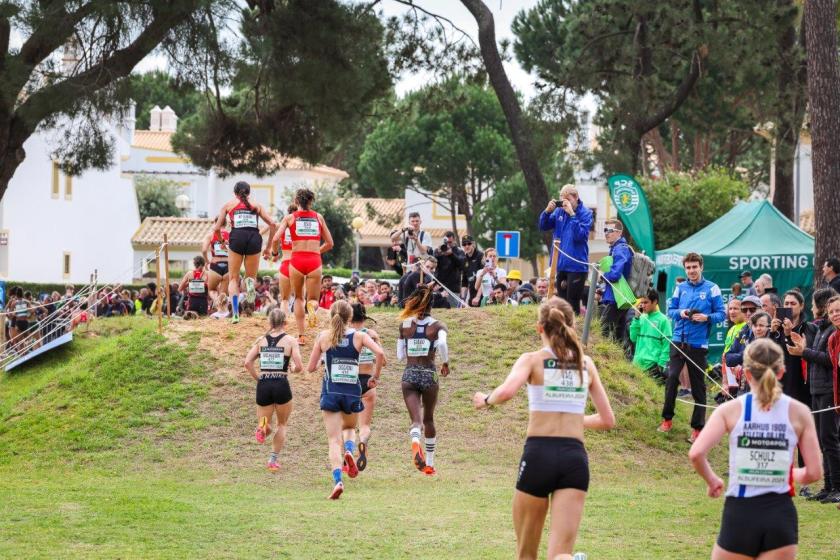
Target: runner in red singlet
194, 284
215, 252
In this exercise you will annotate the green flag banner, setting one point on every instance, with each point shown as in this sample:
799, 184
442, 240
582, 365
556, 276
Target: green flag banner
632, 206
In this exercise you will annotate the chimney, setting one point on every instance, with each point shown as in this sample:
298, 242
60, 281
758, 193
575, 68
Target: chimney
168, 120
126, 121
155, 121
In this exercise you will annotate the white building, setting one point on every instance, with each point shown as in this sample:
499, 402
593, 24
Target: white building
55, 228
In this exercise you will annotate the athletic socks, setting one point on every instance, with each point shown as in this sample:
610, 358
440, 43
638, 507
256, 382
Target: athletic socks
431, 443
337, 475
349, 446
235, 303
272, 458
415, 434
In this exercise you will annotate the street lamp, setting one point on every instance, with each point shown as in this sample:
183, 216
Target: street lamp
183, 203
357, 225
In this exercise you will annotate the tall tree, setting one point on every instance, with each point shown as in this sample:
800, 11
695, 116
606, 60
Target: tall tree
160, 88
449, 140
104, 41
519, 131
824, 106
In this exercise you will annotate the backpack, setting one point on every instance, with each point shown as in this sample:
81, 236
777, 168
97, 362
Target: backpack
641, 274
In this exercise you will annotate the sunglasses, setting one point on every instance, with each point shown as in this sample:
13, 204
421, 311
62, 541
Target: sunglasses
609, 230
748, 309
465, 243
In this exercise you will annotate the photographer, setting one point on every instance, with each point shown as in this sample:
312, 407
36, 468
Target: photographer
397, 254
487, 277
418, 243
570, 221
450, 260
472, 264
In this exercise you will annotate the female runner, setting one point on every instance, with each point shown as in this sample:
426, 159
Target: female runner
554, 464
341, 391
764, 426
286, 258
275, 351
308, 230
194, 284
366, 360
422, 338
218, 275
245, 241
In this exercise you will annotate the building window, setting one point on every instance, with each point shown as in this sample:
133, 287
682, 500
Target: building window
66, 265
54, 179
68, 187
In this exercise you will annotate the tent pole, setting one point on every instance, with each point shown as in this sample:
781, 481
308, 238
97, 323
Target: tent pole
590, 305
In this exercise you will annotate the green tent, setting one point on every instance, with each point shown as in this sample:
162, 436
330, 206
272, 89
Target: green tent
752, 236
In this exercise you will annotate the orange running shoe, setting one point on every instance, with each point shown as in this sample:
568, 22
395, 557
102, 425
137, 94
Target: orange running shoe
336, 491
350, 462
429, 470
301, 340
417, 455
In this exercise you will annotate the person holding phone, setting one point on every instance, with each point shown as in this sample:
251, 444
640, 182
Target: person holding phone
489, 276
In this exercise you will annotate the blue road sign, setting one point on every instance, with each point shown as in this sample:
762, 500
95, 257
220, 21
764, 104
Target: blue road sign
507, 244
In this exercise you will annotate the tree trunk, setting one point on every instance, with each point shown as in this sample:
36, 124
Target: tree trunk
824, 96
519, 132
791, 112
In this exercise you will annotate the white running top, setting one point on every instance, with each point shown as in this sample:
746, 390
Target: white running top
564, 388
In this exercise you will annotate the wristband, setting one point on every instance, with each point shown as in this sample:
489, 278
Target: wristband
487, 398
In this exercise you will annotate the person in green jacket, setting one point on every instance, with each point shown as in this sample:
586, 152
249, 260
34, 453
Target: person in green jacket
651, 334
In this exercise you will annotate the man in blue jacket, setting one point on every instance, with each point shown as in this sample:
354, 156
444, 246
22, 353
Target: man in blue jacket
570, 223
613, 321
695, 306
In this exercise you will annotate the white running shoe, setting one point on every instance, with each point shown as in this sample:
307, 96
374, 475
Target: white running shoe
250, 293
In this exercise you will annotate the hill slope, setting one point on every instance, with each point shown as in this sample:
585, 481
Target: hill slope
135, 445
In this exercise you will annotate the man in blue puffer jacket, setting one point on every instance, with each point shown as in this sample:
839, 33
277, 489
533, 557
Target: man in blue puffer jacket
696, 306
570, 223
613, 321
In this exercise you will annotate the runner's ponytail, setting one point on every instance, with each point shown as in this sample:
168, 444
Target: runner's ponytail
418, 303
340, 314
557, 320
764, 360
241, 190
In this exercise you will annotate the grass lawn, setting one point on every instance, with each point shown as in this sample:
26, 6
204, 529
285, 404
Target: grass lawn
132, 445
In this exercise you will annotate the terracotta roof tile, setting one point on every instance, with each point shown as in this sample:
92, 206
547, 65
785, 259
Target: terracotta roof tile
181, 232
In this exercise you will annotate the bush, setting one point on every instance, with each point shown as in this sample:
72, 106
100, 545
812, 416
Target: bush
156, 197
682, 204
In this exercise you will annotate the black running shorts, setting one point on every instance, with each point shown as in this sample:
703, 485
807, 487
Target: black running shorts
245, 241
552, 463
220, 268
363, 379
275, 390
197, 304
751, 526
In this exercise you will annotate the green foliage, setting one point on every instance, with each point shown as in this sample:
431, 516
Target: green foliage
508, 209
161, 89
449, 139
305, 73
683, 204
155, 196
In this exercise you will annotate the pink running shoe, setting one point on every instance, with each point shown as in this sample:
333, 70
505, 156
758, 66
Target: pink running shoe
262, 430
273, 466
350, 462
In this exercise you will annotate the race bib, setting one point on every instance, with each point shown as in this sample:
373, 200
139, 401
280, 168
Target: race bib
417, 347
561, 384
308, 227
762, 461
366, 356
244, 219
272, 358
219, 250
21, 309
344, 370
196, 287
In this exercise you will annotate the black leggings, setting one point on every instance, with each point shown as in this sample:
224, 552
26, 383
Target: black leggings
827, 433
413, 402
573, 290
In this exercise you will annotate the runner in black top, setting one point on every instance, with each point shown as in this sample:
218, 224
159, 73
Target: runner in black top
275, 351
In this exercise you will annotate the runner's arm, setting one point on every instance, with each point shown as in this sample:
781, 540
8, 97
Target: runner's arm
441, 348
315, 357
296, 359
183, 285
367, 342
251, 357
604, 418
809, 446
709, 437
325, 233
205, 247
518, 376
220, 222
401, 353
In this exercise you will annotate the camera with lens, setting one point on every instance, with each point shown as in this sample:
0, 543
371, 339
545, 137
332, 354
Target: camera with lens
444, 248
408, 231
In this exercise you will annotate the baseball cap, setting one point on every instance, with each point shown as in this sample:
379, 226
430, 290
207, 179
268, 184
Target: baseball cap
752, 300
514, 275
467, 239
526, 287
